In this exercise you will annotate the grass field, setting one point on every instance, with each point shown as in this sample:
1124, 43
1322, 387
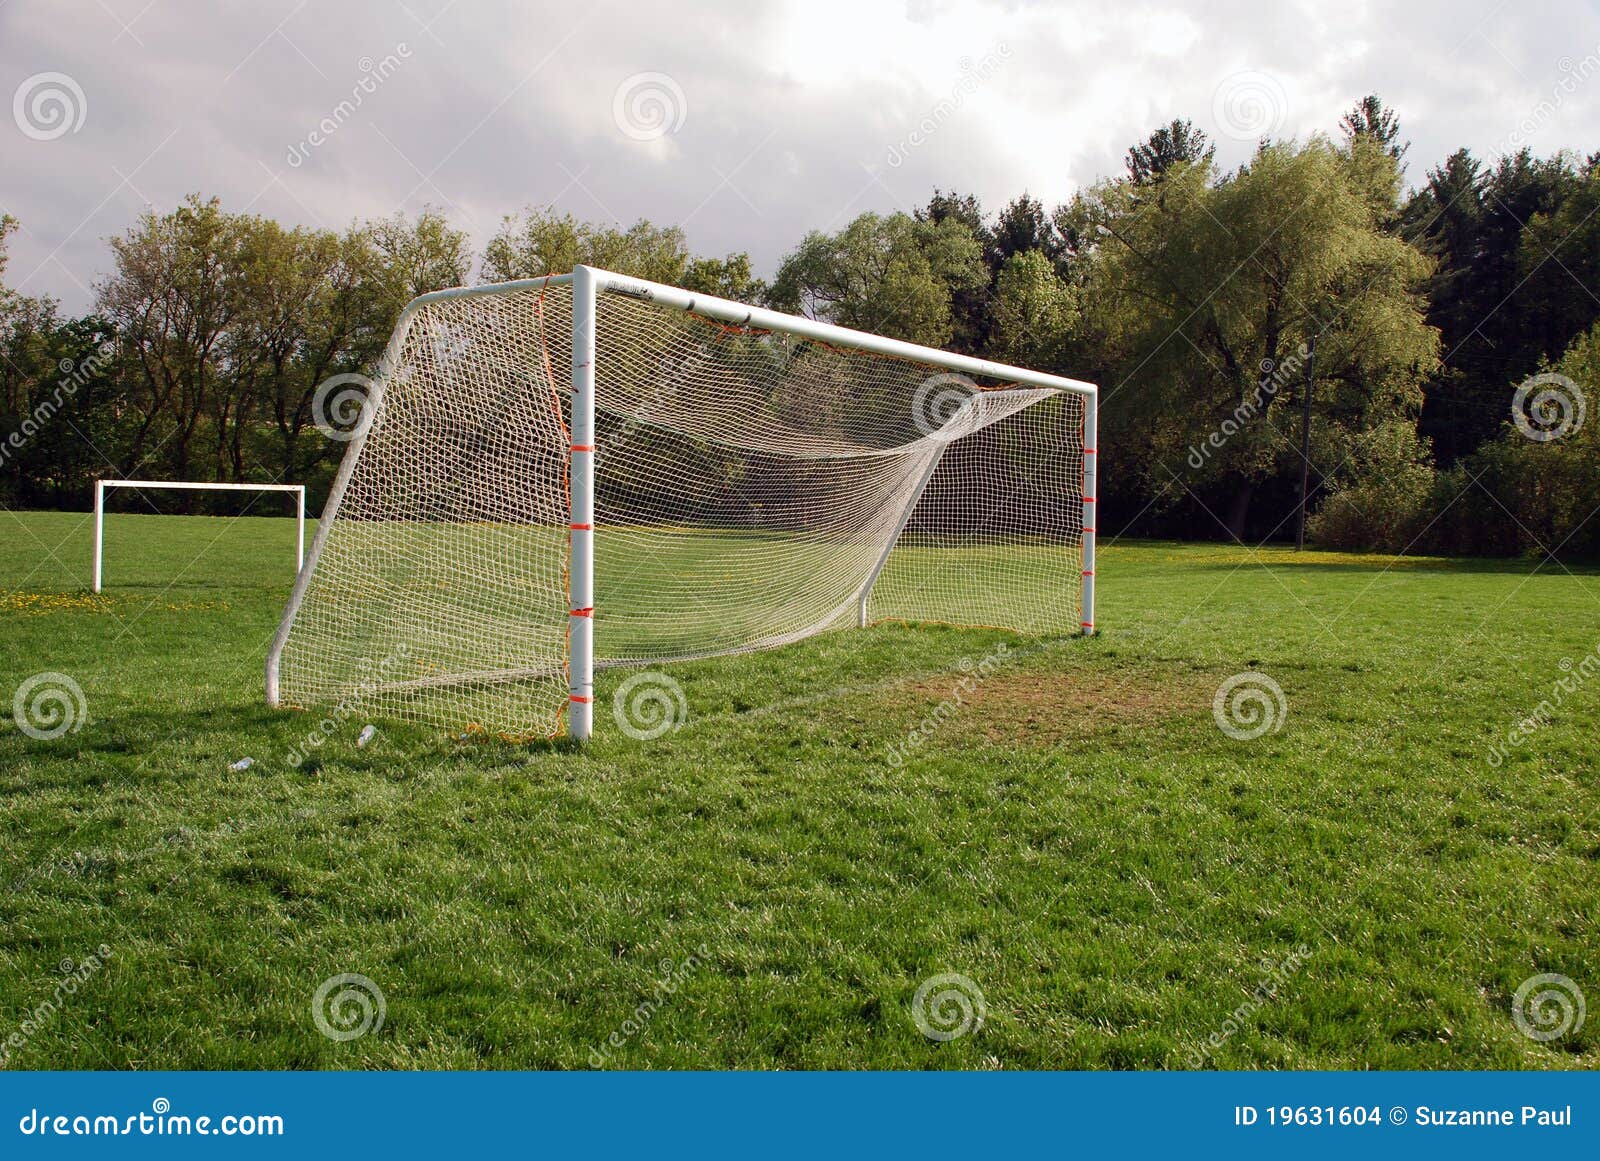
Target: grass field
769, 885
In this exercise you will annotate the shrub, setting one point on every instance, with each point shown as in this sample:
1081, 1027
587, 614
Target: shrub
1382, 500
1517, 495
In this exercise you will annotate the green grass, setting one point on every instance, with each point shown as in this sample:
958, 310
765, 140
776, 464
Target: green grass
1079, 838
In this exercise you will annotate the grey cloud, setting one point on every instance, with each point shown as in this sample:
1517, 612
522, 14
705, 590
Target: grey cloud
792, 109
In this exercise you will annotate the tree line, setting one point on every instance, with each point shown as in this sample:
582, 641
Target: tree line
1216, 308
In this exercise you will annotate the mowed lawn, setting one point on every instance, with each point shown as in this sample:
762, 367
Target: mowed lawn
836, 823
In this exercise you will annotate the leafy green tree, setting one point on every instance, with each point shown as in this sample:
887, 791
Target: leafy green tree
538, 242
1204, 293
1380, 496
1444, 220
1496, 323
1034, 312
1373, 121
412, 257
171, 298
730, 277
58, 404
1374, 161
309, 314
965, 208
970, 306
1522, 496
1558, 262
227, 324
895, 275
8, 225
1023, 226
1176, 143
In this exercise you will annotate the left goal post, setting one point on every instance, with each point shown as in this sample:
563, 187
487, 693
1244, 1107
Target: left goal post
100, 487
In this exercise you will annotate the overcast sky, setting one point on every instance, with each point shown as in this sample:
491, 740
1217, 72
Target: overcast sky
748, 124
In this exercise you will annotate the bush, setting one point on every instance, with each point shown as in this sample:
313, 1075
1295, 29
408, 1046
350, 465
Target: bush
1514, 496
1530, 496
1382, 501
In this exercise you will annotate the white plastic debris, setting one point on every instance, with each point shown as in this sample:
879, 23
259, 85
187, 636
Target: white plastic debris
367, 734
242, 764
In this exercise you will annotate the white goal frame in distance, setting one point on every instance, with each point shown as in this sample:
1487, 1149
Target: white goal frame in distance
588, 284
100, 487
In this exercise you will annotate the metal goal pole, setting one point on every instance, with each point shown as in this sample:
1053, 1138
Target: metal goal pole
580, 479
300, 529
1091, 426
99, 527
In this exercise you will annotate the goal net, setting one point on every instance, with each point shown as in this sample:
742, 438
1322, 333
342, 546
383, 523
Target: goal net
588, 471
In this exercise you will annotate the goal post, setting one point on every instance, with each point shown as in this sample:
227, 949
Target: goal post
561, 474
100, 487
580, 614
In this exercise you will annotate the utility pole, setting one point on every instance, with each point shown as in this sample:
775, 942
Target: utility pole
1305, 445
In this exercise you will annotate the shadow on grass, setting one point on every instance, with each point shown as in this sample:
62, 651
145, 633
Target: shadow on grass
278, 743
1201, 557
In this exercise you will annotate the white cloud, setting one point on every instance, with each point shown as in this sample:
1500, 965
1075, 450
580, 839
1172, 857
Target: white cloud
791, 110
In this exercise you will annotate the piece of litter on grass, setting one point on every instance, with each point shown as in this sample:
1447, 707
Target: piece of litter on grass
367, 734
242, 764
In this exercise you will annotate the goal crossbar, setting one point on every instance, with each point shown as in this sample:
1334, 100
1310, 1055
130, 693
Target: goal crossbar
588, 287
740, 314
100, 487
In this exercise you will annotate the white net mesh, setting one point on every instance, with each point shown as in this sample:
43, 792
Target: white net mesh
750, 486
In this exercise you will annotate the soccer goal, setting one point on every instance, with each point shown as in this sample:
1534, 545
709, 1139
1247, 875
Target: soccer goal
100, 487
590, 470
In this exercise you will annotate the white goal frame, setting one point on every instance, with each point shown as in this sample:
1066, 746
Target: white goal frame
587, 285
100, 487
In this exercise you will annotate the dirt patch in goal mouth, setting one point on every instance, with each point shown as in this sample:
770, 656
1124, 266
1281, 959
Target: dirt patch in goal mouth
1041, 709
